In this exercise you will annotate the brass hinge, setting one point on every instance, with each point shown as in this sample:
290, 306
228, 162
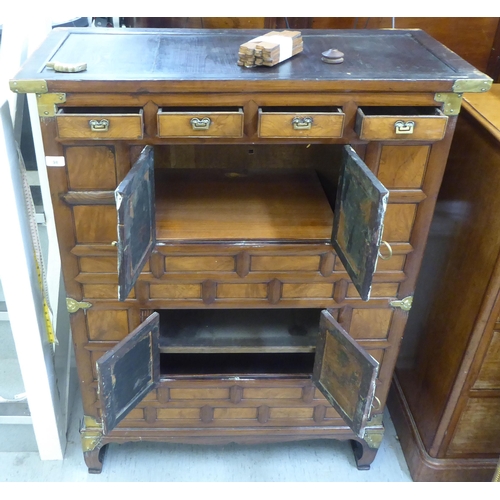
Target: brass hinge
469, 85
47, 103
404, 304
452, 102
91, 432
29, 86
73, 305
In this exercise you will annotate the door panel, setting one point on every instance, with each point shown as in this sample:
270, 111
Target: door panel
345, 373
135, 205
358, 223
128, 372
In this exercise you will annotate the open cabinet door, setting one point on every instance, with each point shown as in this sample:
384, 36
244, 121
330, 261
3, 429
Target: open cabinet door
358, 221
344, 373
129, 371
135, 206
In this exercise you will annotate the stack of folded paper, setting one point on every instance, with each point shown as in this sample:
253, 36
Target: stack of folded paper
270, 49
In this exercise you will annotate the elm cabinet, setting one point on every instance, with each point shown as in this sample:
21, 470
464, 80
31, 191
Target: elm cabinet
445, 400
240, 246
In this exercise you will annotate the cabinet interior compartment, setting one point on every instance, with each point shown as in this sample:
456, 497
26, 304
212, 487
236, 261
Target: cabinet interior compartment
237, 364
400, 111
301, 109
238, 341
239, 330
199, 109
99, 110
246, 193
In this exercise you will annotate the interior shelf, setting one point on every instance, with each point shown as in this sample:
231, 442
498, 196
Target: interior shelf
241, 205
239, 330
241, 365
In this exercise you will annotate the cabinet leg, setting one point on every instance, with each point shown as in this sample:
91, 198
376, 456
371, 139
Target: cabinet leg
363, 454
91, 433
94, 459
366, 449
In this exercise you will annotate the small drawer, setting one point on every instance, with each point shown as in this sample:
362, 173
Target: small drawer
200, 122
289, 123
401, 123
100, 123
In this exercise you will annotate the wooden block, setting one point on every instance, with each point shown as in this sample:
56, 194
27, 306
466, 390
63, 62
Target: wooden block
173, 291
91, 167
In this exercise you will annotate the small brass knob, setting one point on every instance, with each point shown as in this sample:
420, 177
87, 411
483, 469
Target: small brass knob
332, 56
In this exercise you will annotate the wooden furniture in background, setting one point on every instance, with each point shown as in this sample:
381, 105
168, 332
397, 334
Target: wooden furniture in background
219, 226
445, 401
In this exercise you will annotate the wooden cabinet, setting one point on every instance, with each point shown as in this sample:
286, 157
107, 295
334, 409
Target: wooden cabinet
240, 246
445, 400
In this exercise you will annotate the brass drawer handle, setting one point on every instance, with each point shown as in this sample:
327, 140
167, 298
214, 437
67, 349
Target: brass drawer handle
302, 123
403, 127
99, 125
388, 248
201, 123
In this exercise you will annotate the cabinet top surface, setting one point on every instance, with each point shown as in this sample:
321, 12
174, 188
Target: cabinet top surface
408, 58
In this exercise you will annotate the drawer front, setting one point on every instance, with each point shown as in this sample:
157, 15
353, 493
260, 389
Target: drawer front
401, 127
302, 124
200, 123
99, 126
221, 403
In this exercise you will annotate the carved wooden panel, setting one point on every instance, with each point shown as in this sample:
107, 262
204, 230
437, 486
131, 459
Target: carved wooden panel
280, 412
370, 323
308, 290
175, 291
107, 324
284, 263
180, 413
272, 393
238, 413
221, 263
403, 166
395, 263
378, 290
91, 167
103, 291
250, 290
201, 393
95, 224
98, 264
398, 222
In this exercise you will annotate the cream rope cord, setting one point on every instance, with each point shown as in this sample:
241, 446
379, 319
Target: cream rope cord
37, 249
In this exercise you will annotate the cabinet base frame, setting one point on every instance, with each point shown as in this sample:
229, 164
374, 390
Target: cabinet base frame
365, 450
